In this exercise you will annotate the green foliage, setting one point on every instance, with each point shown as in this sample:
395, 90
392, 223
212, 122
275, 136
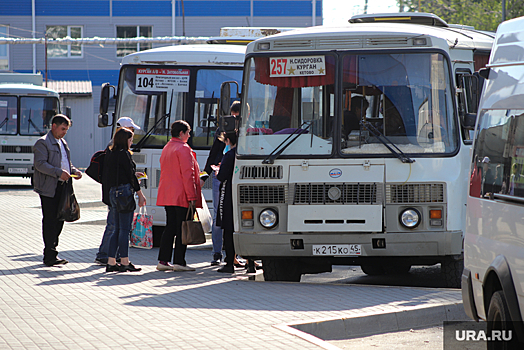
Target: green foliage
481, 14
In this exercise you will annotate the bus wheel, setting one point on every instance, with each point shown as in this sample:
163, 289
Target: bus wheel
451, 270
499, 319
373, 270
281, 270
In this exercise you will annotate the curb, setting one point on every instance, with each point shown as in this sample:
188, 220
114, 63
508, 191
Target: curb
320, 331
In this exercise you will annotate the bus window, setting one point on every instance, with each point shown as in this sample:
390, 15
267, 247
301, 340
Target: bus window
207, 95
36, 114
498, 165
8, 115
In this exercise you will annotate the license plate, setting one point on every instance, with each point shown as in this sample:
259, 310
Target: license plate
17, 170
336, 249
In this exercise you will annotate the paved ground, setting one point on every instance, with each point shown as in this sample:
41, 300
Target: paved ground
79, 306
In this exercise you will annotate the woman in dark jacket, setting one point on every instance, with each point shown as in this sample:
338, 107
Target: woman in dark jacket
119, 175
225, 210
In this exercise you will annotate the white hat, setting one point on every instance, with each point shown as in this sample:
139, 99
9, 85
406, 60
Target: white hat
127, 122
485, 160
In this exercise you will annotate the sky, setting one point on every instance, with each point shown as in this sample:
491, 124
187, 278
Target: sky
338, 12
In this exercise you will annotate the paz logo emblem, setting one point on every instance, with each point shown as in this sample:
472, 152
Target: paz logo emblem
334, 173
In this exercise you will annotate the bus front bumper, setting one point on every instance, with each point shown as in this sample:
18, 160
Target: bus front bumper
420, 244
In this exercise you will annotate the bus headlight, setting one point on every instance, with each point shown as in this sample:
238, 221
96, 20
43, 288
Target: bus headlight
410, 218
268, 218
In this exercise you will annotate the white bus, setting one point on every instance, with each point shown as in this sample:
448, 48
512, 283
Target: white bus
26, 110
493, 276
161, 85
321, 180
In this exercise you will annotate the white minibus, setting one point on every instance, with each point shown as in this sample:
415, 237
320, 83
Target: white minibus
493, 276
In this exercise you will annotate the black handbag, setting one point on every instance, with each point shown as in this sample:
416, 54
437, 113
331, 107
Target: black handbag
68, 208
124, 196
125, 202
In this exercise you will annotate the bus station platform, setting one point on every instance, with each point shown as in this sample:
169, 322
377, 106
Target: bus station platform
80, 306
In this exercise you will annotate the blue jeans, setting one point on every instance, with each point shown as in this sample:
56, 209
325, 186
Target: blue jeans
110, 227
216, 232
119, 238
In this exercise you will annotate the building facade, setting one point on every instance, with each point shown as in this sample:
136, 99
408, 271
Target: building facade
99, 64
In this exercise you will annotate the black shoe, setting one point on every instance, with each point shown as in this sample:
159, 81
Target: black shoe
101, 261
130, 268
226, 269
112, 268
57, 261
217, 257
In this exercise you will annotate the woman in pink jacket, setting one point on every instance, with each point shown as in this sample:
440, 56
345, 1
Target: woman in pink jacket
179, 187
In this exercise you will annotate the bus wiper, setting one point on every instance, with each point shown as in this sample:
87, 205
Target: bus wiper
381, 137
270, 159
150, 131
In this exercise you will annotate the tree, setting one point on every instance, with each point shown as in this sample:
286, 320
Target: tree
481, 14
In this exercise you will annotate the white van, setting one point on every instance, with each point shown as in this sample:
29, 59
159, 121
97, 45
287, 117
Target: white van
493, 277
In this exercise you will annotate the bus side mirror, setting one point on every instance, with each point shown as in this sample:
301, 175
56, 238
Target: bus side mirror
103, 119
484, 72
225, 98
468, 121
68, 112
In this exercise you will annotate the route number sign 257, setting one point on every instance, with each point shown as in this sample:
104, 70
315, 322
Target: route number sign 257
297, 66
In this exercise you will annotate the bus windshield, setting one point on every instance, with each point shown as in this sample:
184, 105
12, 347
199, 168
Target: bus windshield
406, 97
149, 94
35, 115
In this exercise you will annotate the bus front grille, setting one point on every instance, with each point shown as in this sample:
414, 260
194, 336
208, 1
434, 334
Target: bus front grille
261, 172
415, 193
17, 149
341, 193
274, 194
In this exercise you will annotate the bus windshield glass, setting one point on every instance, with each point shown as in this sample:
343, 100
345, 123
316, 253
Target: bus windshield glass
156, 96
36, 114
406, 97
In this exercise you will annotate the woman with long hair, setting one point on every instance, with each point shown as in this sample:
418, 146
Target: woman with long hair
120, 177
179, 189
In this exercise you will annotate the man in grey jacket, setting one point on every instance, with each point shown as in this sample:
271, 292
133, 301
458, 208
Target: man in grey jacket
52, 168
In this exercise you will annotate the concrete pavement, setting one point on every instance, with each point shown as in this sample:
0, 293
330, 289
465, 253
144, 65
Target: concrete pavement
79, 306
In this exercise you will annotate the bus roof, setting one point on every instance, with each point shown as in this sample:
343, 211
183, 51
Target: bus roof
373, 36
200, 55
26, 89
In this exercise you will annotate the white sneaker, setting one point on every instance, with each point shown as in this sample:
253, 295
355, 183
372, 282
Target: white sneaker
162, 267
182, 268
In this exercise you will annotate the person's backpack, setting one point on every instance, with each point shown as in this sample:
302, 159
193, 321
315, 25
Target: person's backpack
96, 166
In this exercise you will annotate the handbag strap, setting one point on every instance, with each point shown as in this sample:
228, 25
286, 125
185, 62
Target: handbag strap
190, 211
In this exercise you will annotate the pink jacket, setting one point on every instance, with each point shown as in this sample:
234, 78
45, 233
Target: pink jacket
179, 177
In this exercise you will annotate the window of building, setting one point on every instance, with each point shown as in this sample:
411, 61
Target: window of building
59, 50
4, 49
132, 32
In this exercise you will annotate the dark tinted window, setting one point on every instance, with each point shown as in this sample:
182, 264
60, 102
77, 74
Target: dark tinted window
498, 158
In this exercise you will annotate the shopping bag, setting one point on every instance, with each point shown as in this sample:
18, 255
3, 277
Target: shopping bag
68, 208
141, 235
192, 231
205, 216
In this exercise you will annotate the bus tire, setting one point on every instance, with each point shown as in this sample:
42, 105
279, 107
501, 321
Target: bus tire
500, 319
451, 270
281, 270
373, 270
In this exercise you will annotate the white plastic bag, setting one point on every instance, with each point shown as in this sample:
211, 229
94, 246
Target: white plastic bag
205, 216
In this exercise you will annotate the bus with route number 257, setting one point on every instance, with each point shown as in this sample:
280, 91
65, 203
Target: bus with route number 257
356, 147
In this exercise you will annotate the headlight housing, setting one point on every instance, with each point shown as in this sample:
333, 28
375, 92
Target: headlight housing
410, 218
268, 218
